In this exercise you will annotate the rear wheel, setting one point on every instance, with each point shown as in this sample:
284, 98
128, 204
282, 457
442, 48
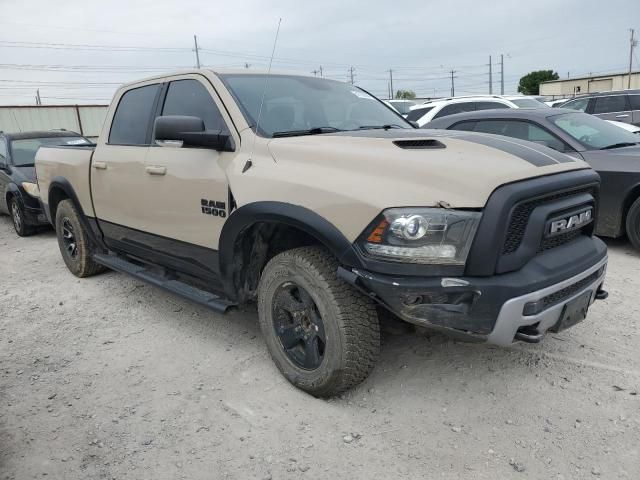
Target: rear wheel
633, 224
19, 223
322, 334
75, 245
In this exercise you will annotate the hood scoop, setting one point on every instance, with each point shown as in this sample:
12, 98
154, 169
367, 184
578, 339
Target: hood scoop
421, 144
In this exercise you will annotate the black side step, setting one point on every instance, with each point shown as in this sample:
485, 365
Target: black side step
210, 300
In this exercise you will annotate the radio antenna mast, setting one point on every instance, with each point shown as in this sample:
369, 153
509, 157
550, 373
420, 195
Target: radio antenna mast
249, 163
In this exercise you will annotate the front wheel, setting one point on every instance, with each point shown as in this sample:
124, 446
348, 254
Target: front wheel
19, 223
75, 245
633, 224
322, 334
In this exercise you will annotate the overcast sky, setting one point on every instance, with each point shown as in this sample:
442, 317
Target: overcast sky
78, 51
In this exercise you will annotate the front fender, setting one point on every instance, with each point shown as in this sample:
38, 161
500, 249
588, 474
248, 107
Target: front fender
288, 214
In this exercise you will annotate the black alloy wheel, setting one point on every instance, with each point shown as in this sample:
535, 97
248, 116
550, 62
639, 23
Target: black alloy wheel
299, 326
69, 238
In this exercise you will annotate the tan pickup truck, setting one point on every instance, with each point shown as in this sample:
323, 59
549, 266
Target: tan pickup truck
323, 205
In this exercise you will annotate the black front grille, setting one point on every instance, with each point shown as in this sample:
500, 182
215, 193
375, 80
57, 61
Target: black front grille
520, 218
566, 292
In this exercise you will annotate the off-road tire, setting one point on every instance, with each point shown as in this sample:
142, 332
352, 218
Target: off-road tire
17, 217
82, 264
350, 321
633, 224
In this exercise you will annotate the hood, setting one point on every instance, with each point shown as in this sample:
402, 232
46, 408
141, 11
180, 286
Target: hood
418, 167
24, 174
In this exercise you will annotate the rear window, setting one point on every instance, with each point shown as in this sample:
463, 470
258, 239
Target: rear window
418, 113
529, 103
23, 152
610, 104
131, 122
490, 105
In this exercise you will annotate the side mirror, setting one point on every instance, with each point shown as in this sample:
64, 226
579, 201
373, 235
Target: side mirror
190, 132
3, 164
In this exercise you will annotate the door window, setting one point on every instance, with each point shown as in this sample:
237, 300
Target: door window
132, 119
610, 104
522, 130
635, 102
454, 108
191, 98
579, 104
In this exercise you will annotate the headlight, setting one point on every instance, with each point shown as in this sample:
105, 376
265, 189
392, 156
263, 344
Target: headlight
421, 235
31, 188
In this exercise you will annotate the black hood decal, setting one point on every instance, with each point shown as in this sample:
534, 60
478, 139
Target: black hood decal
537, 155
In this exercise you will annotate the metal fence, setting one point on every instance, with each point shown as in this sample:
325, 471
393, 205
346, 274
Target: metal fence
84, 119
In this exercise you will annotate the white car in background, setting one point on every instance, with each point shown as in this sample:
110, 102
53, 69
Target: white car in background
424, 113
626, 126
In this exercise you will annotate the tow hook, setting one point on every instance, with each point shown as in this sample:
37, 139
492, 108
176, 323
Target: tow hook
601, 294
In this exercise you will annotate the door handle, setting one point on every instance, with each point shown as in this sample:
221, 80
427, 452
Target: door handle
622, 116
156, 170
99, 165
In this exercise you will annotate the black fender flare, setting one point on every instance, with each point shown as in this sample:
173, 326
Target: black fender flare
296, 216
64, 185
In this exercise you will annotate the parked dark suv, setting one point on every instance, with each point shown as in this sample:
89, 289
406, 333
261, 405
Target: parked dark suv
19, 196
620, 106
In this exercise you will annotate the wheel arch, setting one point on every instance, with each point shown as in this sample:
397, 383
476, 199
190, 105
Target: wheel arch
256, 232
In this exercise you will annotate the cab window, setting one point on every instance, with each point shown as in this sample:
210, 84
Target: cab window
191, 98
132, 121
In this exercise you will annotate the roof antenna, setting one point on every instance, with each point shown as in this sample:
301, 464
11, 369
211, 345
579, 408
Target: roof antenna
249, 163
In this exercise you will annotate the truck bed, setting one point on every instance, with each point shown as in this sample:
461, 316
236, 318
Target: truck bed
72, 163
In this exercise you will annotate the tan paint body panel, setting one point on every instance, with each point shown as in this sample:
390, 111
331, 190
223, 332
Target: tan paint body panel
346, 179
69, 163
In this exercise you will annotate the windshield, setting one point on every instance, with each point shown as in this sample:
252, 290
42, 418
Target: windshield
529, 103
592, 132
301, 104
23, 152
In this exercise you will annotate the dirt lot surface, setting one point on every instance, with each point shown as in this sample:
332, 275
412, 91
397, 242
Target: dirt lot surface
109, 378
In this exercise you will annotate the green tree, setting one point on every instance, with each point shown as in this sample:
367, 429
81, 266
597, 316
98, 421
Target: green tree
405, 95
530, 83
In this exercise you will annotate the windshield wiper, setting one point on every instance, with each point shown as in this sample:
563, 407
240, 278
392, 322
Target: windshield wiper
619, 145
310, 131
379, 127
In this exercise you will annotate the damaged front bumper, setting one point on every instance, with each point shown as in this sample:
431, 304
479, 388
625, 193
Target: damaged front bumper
499, 309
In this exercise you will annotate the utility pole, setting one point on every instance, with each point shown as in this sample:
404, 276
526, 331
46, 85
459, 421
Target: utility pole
391, 85
453, 88
38, 100
490, 76
351, 74
197, 50
501, 74
321, 70
632, 44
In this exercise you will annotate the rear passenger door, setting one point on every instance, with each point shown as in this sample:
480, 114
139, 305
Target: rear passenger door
186, 189
613, 107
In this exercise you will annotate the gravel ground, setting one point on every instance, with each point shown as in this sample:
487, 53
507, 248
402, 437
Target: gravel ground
109, 378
